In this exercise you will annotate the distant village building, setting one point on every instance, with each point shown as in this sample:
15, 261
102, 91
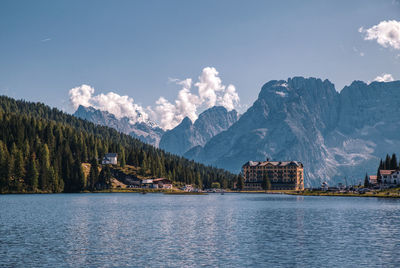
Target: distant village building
287, 175
110, 158
147, 183
162, 183
188, 188
325, 186
373, 179
390, 176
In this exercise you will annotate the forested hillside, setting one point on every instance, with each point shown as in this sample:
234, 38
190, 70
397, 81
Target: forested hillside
42, 149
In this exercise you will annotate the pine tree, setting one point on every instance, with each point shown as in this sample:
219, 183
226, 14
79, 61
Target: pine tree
387, 162
199, 182
122, 161
393, 162
78, 177
105, 177
32, 173
3, 167
53, 181
381, 165
240, 182
93, 177
19, 165
131, 159
9, 169
266, 183
366, 180
44, 168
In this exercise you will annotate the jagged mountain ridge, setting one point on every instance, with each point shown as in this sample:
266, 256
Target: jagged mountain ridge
147, 132
333, 134
188, 135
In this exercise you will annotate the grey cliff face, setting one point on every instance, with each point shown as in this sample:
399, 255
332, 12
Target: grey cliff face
188, 135
334, 135
145, 132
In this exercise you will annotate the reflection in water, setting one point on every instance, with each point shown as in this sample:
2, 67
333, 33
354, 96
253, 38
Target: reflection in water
231, 230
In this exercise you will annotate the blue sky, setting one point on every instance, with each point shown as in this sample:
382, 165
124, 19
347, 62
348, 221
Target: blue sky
134, 47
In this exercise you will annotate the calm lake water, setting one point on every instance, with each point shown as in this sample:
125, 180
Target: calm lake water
231, 230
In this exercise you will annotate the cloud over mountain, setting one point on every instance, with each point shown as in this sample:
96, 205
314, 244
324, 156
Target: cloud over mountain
384, 78
386, 33
210, 92
111, 102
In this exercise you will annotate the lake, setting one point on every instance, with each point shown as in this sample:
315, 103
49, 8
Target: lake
231, 230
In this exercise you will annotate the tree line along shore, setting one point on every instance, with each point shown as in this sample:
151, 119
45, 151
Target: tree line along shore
43, 150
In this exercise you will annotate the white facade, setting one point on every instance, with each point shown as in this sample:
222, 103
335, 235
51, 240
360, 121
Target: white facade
147, 181
393, 178
110, 159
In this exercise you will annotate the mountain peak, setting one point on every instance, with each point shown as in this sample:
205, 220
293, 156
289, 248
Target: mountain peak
276, 90
145, 131
188, 135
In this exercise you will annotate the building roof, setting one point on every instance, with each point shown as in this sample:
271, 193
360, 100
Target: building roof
386, 171
111, 155
373, 178
161, 179
274, 163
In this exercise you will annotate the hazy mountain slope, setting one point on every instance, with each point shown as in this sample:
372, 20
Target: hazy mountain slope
147, 132
188, 135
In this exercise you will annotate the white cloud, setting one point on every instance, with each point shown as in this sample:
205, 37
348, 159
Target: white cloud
386, 33
120, 106
169, 115
210, 92
384, 78
230, 99
209, 84
81, 96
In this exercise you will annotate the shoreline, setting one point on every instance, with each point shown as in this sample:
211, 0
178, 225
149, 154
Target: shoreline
395, 194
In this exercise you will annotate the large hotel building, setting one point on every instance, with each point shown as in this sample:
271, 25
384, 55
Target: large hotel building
286, 175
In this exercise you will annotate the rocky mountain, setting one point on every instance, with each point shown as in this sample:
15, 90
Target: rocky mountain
147, 132
333, 134
188, 134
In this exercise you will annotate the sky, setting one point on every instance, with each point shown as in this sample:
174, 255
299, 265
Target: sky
164, 60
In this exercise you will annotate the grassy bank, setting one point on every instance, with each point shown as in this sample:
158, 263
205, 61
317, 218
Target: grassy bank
185, 193
391, 193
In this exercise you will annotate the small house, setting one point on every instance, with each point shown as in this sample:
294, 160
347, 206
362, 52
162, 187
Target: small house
110, 158
162, 183
147, 183
373, 179
388, 176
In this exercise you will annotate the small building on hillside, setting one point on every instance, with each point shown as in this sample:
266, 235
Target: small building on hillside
282, 175
110, 158
162, 183
147, 183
